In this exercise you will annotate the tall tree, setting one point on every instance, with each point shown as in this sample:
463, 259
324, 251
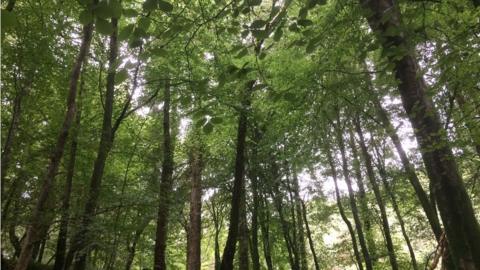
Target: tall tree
461, 226
39, 216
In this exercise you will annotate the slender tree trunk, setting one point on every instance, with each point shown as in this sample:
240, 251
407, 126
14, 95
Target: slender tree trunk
302, 253
65, 211
309, 236
364, 210
461, 226
342, 211
39, 215
255, 196
166, 185
388, 189
82, 237
132, 248
195, 226
243, 236
238, 184
264, 227
422, 196
353, 203
378, 196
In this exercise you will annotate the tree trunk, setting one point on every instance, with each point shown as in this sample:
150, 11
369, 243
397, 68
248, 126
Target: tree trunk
378, 196
239, 182
365, 213
166, 185
422, 196
300, 232
388, 189
309, 236
353, 203
256, 203
264, 227
342, 211
81, 238
195, 226
243, 236
39, 216
131, 249
65, 210
461, 226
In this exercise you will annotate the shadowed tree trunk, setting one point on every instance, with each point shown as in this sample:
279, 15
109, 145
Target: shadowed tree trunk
264, 227
365, 213
342, 211
195, 226
353, 203
238, 183
391, 194
65, 210
132, 248
302, 253
82, 237
166, 184
255, 209
39, 216
378, 196
309, 236
461, 226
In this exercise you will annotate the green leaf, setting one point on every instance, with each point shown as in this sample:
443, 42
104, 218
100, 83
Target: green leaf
258, 24
262, 55
86, 17
278, 34
144, 23
159, 51
125, 32
260, 34
242, 53
150, 5
121, 76
254, 2
135, 42
104, 27
103, 10
304, 22
116, 8
208, 128
130, 12
9, 19
165, 6
216, 120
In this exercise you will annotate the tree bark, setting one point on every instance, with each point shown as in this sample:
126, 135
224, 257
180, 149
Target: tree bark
132, 249
364, 210
378, 196
81, 238
195, 226
353, 203
238, 184
264, 227
302, 253
65, 210
166, 185
39, 216
342, 211
461, 226
256, 203
309, 236
422, 196
391, 194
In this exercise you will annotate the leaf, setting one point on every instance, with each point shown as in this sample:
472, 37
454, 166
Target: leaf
121, 76
278, 34
9, 19
130, 12
116, 8
242, 53
262, 55
85, 18
150, 5
144, 23
216, 120
165, 6
208, 128
103, 10
304, 22
258, 24
159, 51
135, 42
104, 27
254, 2
125, 32
259, 34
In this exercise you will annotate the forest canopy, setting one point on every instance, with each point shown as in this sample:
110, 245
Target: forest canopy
240, 134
